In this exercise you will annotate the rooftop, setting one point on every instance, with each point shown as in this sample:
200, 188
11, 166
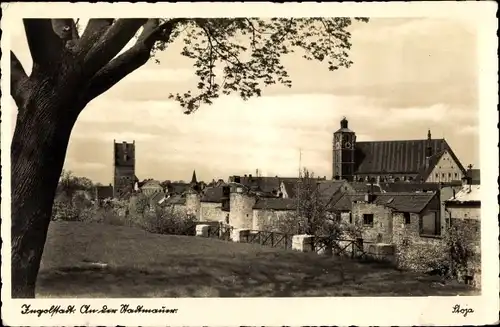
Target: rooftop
468, 193
402, 202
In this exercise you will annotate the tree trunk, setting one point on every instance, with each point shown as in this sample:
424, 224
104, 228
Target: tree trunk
37, 156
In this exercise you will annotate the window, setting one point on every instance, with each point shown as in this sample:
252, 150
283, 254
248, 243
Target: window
442, 175
368, 219
456, 175
437, 175
406, 216
449, 175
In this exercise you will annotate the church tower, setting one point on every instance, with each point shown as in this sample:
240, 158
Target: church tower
124, 168
344, 141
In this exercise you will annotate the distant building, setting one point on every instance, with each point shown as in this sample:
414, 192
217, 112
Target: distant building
424, 160
151, 187
124, 177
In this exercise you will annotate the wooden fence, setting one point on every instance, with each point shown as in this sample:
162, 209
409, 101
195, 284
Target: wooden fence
220, 231
272, 239
339, 247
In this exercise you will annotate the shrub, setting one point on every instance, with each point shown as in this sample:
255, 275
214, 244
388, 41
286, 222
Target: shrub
460, 239
167, 221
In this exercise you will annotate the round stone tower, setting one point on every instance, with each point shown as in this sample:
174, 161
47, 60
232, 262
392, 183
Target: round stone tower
193, 203
241, 204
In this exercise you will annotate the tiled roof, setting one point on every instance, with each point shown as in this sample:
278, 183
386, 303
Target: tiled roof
104, 192
156, 197
177, 188
212, 194
275, 204
264, 184
403, 202
328, 189
407, 157
410, 187
365, 187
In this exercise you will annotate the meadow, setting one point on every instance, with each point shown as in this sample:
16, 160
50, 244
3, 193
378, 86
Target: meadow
95, 260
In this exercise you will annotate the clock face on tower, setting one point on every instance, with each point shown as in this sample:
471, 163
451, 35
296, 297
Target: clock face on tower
347, 145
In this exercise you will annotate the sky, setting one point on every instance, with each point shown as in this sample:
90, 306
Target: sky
408, 76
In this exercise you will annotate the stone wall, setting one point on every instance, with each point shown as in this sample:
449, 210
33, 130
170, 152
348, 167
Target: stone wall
381, 230
264, 219
212, 211
241, 214
412, 250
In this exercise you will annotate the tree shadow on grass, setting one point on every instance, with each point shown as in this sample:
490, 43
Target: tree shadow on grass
263, 275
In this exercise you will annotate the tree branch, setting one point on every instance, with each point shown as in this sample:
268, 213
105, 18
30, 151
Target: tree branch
96, 27
45, 46
111, 43
131, 59
18, 81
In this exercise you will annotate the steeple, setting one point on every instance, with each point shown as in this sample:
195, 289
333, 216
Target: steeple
344, 122
193, 179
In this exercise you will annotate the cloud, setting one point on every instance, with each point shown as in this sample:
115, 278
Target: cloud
468, 130
265, 133
118, 136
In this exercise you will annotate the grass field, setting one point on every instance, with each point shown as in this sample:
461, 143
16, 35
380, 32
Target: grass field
139, 264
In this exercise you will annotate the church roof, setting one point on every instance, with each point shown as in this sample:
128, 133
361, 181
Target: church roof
404, 157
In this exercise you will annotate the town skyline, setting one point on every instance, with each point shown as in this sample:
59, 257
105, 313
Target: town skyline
408, 76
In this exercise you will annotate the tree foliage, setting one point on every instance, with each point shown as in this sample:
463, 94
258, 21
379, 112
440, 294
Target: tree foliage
69, 184
230, 55
313, 214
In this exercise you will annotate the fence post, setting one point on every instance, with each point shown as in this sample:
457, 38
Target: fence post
353, 248
272, 239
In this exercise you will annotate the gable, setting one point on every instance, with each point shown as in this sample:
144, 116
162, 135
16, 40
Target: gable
444, 168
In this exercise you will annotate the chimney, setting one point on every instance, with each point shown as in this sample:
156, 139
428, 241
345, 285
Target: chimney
370, 196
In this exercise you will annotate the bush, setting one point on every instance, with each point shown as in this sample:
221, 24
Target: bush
167, 221
62, 210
